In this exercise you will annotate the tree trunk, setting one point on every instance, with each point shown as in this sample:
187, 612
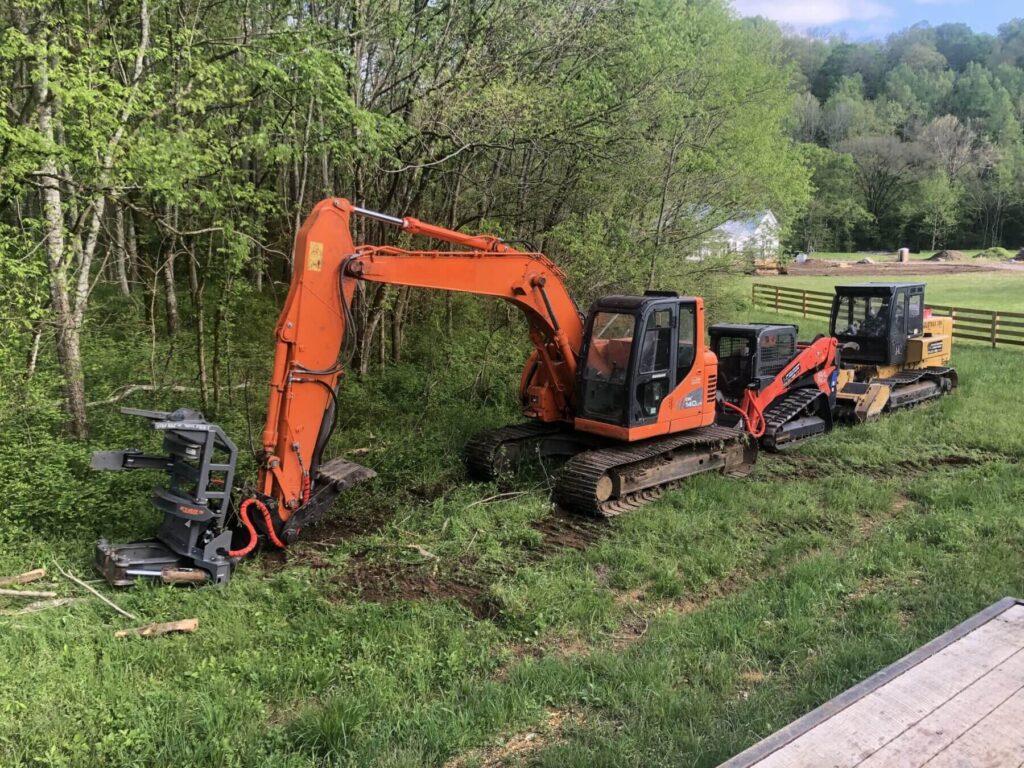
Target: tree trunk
196, 290
398, 322
170, 288
132, 247
33, 351
68, 339
220, 321
120, 250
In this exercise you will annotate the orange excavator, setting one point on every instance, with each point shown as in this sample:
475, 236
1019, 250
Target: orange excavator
626, 394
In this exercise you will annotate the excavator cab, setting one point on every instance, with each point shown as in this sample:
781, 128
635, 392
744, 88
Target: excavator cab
875, 321
636, 351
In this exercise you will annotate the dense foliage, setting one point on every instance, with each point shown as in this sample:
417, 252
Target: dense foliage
915, 141
169, 151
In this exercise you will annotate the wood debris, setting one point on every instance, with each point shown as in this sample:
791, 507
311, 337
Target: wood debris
93, 591
27, 593
422, 552
23, 578
160, 628
43, 605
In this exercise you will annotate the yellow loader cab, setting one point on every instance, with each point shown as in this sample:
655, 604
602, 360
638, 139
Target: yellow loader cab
894, 353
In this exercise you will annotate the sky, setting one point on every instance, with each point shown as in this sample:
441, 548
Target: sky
874, 19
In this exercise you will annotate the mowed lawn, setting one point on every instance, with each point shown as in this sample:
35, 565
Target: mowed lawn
432, 621
997, 290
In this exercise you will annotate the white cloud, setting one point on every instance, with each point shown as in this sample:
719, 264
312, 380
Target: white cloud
812, 13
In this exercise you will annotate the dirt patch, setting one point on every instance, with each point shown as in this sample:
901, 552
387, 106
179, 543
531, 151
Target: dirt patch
388, 582
357, 522
917, 466
565, 530
895, 269
518, 746
947, 256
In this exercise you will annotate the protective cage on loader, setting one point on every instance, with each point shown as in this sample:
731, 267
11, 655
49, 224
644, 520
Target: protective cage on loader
781, 388
192, 542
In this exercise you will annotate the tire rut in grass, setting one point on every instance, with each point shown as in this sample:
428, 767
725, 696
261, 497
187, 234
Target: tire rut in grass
565, 530
811, 468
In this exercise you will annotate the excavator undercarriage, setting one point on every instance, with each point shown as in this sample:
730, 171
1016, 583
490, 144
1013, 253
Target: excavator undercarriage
604, 477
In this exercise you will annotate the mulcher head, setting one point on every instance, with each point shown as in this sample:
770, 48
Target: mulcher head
192, 542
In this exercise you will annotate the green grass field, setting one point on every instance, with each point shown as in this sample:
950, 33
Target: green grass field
431, 621
985, 290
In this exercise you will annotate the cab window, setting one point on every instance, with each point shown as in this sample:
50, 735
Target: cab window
657, 342
686, 349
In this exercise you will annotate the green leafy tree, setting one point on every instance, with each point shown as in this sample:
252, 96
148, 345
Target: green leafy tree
834, 210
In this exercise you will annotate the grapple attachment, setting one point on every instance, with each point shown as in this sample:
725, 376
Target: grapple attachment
192, 542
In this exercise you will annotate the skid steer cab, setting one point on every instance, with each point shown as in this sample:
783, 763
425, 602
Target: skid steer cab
782, 389
644, 369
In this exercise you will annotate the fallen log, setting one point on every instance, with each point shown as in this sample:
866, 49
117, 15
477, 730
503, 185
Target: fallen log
157, 629
27, 593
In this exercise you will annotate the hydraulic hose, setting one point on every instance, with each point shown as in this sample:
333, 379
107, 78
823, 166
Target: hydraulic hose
756, 424
243, 514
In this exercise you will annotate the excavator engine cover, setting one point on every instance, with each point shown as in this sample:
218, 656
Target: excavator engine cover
192, 542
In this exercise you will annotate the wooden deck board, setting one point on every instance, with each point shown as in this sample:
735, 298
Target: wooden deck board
957, 701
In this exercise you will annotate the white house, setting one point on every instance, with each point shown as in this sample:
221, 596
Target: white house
757, 236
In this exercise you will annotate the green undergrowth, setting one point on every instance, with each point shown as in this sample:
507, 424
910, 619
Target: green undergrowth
430, 618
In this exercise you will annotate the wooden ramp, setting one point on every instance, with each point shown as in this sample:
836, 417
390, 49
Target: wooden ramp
956, 701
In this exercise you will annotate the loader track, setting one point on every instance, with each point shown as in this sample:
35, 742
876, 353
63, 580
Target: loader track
584, 479
914, 376
785, 410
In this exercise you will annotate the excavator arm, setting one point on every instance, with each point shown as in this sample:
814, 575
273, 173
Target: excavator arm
314, 338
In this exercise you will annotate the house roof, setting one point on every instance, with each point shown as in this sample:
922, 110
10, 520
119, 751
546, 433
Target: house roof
745, 228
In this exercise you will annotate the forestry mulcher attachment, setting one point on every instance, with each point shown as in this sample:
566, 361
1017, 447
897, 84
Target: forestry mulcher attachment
627, 394
895, 352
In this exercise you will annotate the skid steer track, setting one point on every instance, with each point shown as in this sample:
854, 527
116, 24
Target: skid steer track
781, 429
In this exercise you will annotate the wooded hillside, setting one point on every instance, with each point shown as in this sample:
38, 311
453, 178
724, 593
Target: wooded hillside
158, 158
915, 141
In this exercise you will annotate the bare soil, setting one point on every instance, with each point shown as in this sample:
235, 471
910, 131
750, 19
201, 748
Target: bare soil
819, 268
565, 530
390, 581
517, 747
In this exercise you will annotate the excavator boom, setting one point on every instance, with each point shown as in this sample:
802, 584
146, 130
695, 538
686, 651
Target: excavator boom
314, 331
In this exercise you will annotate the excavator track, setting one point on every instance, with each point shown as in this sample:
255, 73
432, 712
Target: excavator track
610, 481
488, 454
910, 387
783, 428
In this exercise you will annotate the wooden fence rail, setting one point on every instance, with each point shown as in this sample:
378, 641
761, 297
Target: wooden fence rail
992, 326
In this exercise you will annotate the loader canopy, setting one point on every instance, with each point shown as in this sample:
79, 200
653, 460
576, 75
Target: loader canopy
878, 318
750, 354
